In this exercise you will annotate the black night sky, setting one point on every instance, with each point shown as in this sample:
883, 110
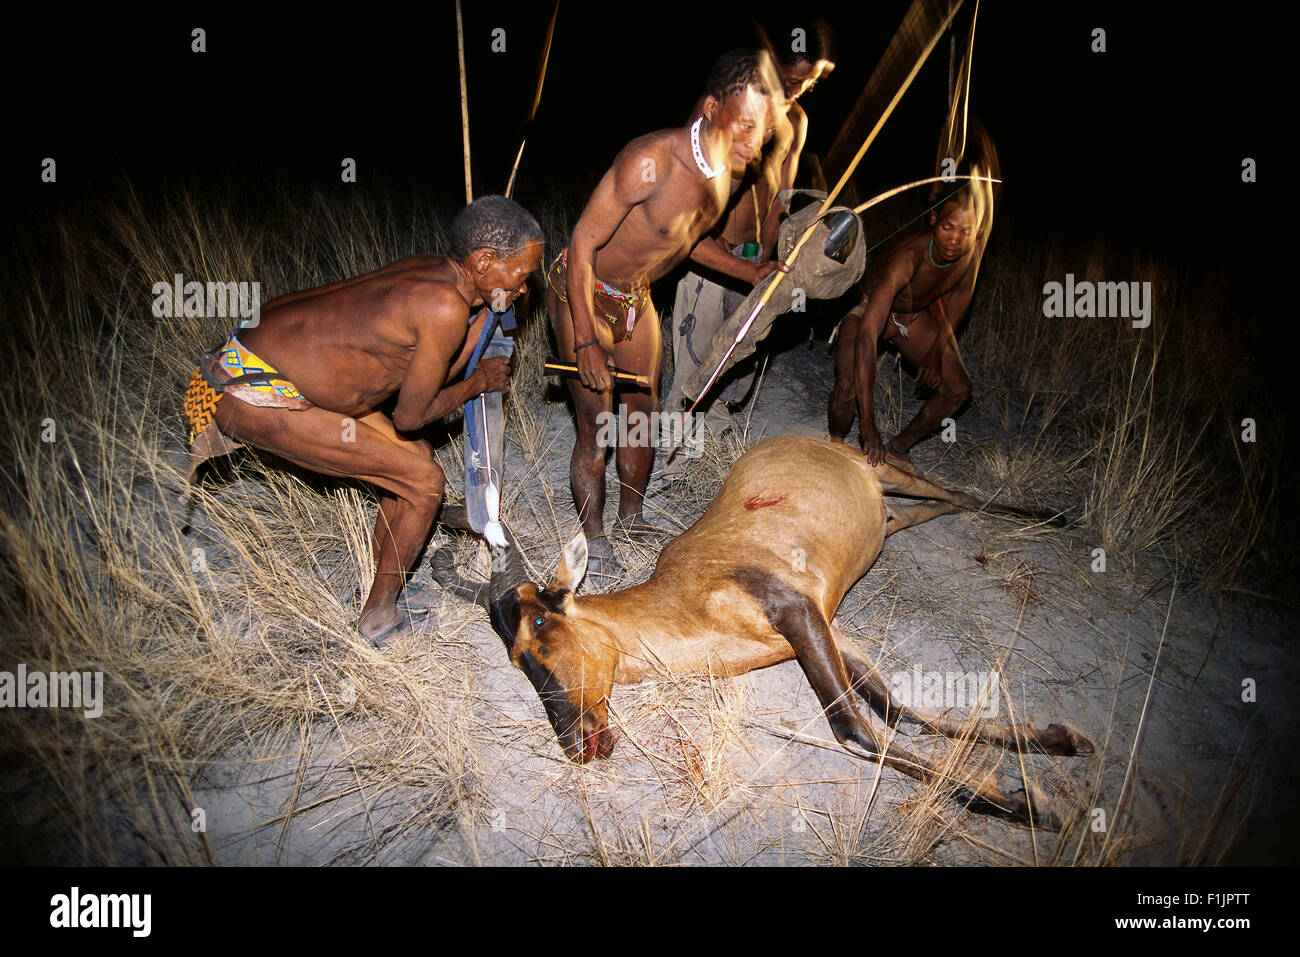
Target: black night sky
1142, 144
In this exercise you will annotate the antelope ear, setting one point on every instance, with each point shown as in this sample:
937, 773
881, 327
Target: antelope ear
573, 565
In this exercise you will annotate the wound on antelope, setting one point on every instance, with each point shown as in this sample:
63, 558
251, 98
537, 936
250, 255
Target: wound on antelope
760, 501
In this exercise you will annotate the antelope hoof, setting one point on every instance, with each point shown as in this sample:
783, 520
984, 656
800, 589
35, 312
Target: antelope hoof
1058, 739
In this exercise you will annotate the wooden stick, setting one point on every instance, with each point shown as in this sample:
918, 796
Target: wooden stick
957, 99
546, 58
564, 369
537, 97
923, 17
510, 183
464, 103
871, 137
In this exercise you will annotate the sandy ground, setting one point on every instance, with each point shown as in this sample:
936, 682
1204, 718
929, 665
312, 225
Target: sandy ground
745, 770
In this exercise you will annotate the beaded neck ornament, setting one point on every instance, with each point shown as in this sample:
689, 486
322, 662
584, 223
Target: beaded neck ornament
699, 153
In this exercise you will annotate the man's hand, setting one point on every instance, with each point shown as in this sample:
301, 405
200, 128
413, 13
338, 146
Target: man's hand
492, 375
763, 270
872, 446
594, 364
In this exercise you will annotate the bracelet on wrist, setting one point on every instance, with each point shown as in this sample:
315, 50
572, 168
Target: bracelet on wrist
584, 345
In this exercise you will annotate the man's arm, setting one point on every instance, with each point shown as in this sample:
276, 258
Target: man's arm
713, 254
791, 138
623, 187
896, 275
424, 396
471, 340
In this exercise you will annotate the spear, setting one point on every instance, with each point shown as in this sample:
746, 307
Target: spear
959, 101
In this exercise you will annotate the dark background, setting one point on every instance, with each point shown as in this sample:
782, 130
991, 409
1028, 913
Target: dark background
1141, 144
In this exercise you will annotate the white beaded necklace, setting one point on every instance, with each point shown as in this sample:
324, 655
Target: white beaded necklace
699, 153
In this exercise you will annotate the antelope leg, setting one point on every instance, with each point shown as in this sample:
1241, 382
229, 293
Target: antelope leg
798, 619
871, 685
896, 481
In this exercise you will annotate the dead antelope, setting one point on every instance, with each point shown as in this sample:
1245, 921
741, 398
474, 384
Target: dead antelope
726, 597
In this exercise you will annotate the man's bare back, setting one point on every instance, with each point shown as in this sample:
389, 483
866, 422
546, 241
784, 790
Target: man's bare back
350, 346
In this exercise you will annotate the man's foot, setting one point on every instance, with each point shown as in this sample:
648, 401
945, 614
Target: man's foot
602, 566
380, 630
419, 597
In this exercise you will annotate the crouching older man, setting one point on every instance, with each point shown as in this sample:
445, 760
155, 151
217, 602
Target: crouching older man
307, 381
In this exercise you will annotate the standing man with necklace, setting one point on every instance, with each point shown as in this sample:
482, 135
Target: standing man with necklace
664, 192
747, 237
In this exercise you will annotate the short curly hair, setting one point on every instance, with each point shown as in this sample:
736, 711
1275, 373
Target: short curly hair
959, 196
733, 71
495, 223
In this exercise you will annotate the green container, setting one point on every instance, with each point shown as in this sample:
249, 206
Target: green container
750, 251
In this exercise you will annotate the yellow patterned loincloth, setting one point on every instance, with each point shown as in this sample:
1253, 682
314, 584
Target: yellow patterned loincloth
231, 369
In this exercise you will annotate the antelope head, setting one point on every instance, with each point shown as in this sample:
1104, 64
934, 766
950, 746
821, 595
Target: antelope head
567, 654
568, 657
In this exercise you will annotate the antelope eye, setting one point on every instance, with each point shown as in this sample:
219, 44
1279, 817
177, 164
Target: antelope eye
538, 622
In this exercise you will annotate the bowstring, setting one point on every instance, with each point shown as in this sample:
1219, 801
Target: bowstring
928, 209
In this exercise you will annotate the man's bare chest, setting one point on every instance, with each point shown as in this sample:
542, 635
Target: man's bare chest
684, 209
929, 285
